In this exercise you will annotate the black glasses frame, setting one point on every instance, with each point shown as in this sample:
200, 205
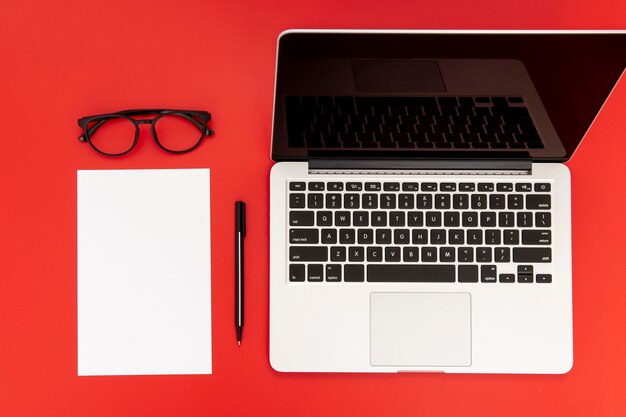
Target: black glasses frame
198, 117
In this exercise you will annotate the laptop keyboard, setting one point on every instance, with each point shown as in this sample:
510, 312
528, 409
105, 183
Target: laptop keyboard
461, 231
410, 122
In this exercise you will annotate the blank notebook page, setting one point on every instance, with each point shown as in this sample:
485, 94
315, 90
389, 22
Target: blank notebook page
144, 272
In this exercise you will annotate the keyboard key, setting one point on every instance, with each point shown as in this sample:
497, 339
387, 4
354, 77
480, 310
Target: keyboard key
392, 254
419, 236
301, 218
542, 187
488, 273
388, 201
429, 186
511, 237
315, 200
525, 278
468, 273
523, 187
315, 272
424, 201
438, 236
507, 278
383, 236
338, 254
532, 255
333, 201
356, 254
483, 254
370, 201
433, 219
492, 237
360, 218
410, 273
365, 236
308, 253
502, 255
538, 201
536, 237
351, 201
506, 219
354, 273
406, 201
429, 254
544, 278
391, 186
329, 236
446, 254
342, 218
372, 186
401, 236
296, 273
324, 218
524, 219
504, 186
456, 236
296, 200
442, 201
396, 218
410, 186
466, 254
479, 201
346, 236
410, 254
297, 186
460, 201
515, 201
333, 273
470, 219
485, 186
451, 219
488, 219
354, 186
379, 218
374, 254
304, 236
496, 201
415, 218
543, 219
466, 186
335, 186
316, 186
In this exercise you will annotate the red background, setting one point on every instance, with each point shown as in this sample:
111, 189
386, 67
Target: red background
63, 59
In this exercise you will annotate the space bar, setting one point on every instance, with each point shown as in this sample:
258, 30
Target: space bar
410, 273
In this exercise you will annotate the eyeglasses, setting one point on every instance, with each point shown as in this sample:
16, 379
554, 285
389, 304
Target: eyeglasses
116, 134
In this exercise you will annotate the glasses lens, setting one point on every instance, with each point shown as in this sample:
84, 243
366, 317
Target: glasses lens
113, 136
176, 132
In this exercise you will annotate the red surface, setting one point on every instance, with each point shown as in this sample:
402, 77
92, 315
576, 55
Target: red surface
64, 59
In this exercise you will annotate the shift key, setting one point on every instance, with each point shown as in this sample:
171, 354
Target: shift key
530, 255
308, 253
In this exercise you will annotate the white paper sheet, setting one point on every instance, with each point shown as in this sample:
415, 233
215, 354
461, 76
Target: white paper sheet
144, 272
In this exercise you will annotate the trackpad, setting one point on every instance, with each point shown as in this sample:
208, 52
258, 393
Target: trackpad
420, 329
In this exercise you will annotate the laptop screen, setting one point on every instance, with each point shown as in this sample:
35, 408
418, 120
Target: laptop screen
419, 94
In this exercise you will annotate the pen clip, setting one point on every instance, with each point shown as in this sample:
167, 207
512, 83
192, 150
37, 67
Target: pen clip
240, 217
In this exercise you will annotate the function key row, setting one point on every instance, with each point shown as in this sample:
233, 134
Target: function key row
424, 186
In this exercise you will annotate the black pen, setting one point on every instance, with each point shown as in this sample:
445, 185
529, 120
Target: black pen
240, 232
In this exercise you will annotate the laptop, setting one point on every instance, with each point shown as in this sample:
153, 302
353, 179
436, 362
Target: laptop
420, 210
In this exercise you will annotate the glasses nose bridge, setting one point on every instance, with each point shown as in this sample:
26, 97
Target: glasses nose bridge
144, 121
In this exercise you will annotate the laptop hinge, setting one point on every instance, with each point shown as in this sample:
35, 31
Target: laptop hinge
393, 166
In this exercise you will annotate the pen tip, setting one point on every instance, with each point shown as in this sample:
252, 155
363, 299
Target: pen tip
238, 343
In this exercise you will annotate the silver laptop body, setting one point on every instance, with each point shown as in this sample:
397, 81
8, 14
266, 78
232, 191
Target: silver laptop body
420, 216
